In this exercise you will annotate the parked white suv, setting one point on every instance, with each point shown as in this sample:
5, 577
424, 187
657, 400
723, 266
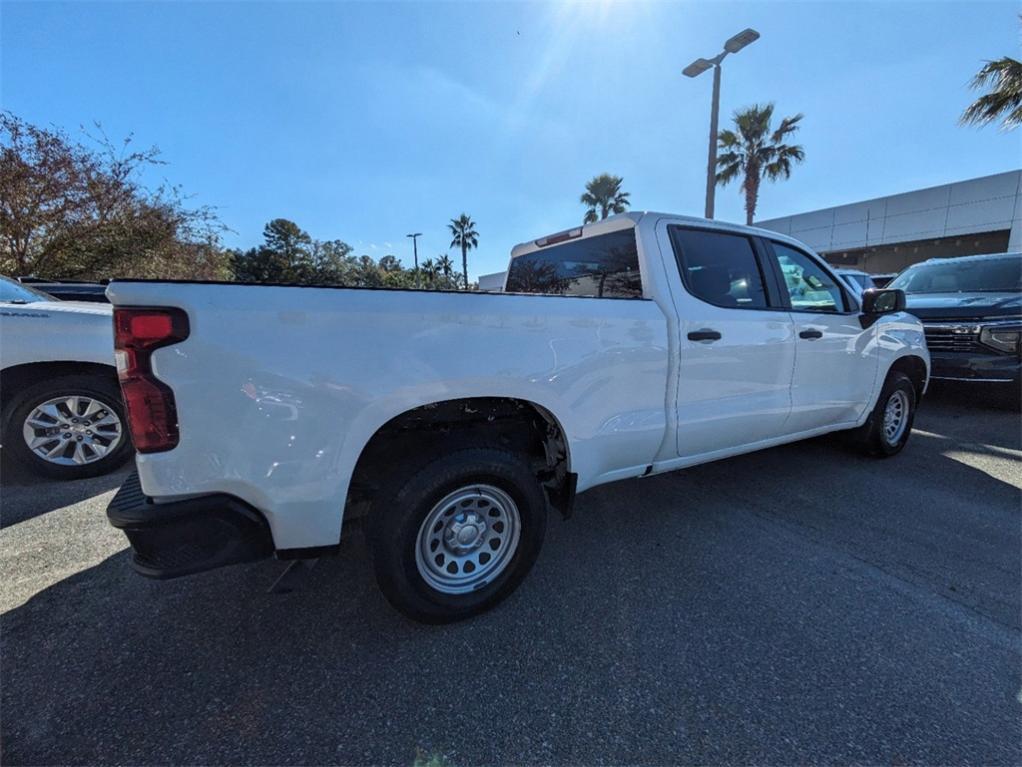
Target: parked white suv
858, 281
61, 414
264, 416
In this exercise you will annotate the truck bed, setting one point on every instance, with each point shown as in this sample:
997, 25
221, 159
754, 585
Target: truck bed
279, 388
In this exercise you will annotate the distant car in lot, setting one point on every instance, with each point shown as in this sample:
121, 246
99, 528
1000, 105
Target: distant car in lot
971, 308
883, 280
61, 414
858, 281
69, 290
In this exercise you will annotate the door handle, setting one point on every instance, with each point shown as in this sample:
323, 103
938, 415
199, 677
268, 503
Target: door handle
811, 334
704, 334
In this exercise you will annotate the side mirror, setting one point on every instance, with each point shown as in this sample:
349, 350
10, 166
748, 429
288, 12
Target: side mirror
876, 302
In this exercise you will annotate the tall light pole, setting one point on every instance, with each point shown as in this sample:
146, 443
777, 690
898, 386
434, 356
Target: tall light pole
695, 69
415, 249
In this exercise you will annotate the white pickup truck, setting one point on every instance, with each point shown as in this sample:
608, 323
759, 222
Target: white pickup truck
451, 423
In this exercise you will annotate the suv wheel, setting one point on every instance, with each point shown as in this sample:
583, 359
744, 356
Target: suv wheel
70, 427
458, 535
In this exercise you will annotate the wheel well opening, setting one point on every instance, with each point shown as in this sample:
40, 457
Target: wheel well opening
17, 377
915, 369
415, 435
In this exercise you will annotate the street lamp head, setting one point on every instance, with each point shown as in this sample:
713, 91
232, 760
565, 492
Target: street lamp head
697, 67
413, 236
740, 40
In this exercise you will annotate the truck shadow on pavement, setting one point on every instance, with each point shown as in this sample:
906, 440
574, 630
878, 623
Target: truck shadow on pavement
24, 496
800, 604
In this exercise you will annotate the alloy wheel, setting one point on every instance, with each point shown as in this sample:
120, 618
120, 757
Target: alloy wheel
73, 430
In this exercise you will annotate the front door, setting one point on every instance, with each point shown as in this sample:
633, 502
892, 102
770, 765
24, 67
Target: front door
737, 348
835, 357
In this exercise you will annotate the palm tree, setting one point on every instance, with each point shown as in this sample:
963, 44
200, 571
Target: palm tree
1004, 99
603, 192
465, 236
445, 264
430, 270
753, 152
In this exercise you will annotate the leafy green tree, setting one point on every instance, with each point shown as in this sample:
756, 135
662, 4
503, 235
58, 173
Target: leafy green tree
332, 262
286, 255
367, 273
464, 236
401, 278
77, 210
287, 238
603, 196
1004, 98
390, 264
290, 255
753, 151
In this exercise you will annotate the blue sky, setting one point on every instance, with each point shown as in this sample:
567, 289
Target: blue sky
365, 121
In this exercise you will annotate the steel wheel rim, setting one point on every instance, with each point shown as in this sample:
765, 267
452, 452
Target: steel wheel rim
895, 417
74, 430
467, 539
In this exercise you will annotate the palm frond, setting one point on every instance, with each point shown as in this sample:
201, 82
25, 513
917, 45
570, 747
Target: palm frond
788, 126
784, 157
729, 158
728, 173
727, 139
778, 168
753, 122
1004, 98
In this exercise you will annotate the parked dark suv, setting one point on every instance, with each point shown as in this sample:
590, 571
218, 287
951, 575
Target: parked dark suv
971, 308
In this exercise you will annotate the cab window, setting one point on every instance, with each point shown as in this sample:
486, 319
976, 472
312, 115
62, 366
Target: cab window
810, 288
603, 266
719, 268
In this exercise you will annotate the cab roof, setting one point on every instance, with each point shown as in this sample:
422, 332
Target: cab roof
631, 219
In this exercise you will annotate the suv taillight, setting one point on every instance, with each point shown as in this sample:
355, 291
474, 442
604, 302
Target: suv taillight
151, 411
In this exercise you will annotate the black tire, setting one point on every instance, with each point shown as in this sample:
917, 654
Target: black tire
23, 402
871, 437
397, 515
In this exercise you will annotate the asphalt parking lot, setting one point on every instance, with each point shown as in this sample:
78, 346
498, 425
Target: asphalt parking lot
803, 604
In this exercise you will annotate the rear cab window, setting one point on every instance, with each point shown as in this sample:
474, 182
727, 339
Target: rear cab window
720, 268
601, 266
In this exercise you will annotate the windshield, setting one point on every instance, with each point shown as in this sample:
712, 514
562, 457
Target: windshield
986, 275
16, 293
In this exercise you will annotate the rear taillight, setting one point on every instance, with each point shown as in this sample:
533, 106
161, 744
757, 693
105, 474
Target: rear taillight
151, 411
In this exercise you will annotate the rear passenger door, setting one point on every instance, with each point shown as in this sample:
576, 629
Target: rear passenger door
835, 357
737, 349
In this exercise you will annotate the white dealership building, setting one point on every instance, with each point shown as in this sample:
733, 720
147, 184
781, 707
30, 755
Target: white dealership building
886, 234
